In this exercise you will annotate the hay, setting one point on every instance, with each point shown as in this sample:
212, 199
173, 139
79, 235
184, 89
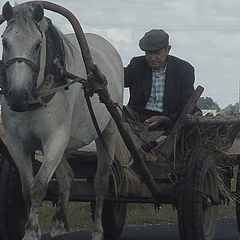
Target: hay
218, 140
121, 168
213, 137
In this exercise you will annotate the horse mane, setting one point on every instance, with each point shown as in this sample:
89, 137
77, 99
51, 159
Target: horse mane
68, 44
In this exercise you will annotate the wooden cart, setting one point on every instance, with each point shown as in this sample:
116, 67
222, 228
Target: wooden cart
188, 179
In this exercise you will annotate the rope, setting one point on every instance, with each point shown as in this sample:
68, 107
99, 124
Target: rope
140, 137
54, 90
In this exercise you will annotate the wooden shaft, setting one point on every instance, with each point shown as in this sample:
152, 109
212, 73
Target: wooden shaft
210, 120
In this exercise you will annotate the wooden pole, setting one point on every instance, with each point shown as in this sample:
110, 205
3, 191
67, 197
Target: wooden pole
210, 120
167, 147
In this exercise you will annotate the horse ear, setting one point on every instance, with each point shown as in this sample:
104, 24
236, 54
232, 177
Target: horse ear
38, 12
7, 11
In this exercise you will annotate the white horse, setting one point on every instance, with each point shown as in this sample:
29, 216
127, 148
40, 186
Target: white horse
30, 46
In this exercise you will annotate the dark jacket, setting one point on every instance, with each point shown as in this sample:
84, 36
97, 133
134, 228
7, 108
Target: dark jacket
178, 84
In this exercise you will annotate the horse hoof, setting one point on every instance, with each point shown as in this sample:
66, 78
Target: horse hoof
58, 233
64, 236
58, 229
32, 235
97, 236
31, 238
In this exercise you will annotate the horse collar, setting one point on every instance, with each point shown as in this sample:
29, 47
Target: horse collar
55, 63
54, 67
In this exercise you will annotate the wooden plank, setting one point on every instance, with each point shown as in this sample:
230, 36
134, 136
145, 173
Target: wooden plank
210, 120
83, 191
159, 170
84, 165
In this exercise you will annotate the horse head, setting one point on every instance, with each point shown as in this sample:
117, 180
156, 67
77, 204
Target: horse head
24, 53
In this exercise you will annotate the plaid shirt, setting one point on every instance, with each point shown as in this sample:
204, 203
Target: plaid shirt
155, 101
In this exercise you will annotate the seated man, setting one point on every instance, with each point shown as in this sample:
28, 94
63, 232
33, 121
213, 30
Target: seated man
160, 84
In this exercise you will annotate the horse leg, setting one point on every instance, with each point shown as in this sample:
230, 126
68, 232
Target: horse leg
23, 161
25, 171
101, 180
64, 176
53, 152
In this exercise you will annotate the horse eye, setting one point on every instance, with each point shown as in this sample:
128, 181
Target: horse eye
38, 44
4, 42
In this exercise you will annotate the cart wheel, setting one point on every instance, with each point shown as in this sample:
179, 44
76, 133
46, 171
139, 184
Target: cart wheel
196, 214
13, 214
238, 199
113, 218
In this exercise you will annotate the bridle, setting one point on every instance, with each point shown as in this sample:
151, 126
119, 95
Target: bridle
52, 79
34, 66
3, 66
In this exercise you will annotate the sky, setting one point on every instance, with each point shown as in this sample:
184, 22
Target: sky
206, 33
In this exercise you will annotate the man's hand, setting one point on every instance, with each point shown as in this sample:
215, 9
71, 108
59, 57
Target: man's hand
156, 121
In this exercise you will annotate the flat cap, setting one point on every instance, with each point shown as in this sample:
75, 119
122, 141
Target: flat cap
153, 40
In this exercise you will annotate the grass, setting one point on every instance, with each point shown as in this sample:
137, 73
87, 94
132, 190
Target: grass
79, 214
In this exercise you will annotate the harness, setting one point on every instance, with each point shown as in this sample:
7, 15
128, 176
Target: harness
54, 74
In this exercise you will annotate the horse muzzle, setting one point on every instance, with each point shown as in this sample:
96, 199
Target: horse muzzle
18, 100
